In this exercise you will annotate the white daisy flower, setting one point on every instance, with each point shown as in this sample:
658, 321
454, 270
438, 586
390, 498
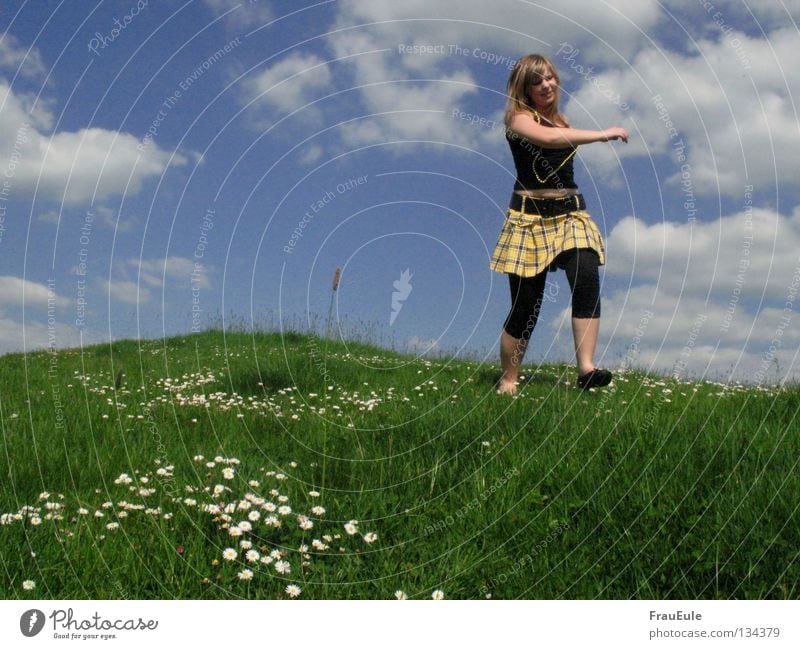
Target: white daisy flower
293, 590
228, 473
252, 556
350, 528
399, 594
284, 510
314, 494
245, 575
35, 520
437, 594
283, 567
370, 537
229, 554
28, 584
245, 526
245, 544
235, 531
254, 516
317, 510
112, 526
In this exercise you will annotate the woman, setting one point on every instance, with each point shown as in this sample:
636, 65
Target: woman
546, 226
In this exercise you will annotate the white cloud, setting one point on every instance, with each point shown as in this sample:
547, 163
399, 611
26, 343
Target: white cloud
179, 269
757, 251
242, 13
714, 299
465, 34
19, 60
290, 83
125, 291
733, 104
73, 166
16, 292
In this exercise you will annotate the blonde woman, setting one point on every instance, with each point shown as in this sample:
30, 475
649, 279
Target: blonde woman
547, 226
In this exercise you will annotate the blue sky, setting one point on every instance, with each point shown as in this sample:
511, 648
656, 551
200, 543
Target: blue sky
158, 157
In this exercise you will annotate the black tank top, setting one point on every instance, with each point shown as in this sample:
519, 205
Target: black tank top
532, 160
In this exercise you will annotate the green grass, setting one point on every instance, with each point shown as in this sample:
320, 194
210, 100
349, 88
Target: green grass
652, 489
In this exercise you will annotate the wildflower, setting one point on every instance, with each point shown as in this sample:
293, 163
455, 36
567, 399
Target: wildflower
317, 510
293, 590
284, 510
227, 473
45, 495
254, 483
275, 554
245, 526
83, 511
351, 528
268, 506
112, 526
370, 537
245, 575
245, 544
437, 594
28, 584
235, 531
314, 494
254, 516
123, 478
399, 594
283, 567
229, 554
35, 520
304, 523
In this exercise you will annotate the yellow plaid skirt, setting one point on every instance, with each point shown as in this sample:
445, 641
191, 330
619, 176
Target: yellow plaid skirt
529, 243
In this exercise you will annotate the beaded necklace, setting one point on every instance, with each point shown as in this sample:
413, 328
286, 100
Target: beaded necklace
539, 119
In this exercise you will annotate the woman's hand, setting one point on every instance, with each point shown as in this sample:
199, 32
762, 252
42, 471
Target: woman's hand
616, 133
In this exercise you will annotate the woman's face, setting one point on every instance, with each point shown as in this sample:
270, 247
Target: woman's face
542, 92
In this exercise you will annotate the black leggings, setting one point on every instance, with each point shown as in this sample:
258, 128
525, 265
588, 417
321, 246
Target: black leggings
580, 264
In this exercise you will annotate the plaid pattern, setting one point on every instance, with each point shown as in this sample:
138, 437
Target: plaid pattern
529, 243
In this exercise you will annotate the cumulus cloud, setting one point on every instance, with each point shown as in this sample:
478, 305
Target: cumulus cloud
412, 92
732, 103
152, 272
17, 59
16, 292
76, 167
713, 299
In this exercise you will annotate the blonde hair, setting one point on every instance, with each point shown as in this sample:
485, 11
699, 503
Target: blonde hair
527, 71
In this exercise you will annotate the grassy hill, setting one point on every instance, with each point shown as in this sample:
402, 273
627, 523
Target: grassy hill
129, 469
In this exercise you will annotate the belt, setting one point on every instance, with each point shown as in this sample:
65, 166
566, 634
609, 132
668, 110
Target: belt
547, 206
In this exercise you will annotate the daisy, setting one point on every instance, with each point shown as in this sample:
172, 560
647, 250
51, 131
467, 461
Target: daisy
245, 526
252, 556
245, 544
112, 526
229, 554
245, 575
227, 473
314, 494
437, 594
254, 516
370, 537
399, 594
293, 590
235, 531
284, 510
304, 523
350, 528
283, 567
318, 511
35, 520
275, 554
28, 584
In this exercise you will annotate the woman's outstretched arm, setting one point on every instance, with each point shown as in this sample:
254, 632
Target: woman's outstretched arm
558, 138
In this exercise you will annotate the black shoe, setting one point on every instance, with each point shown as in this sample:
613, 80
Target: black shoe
594, 379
